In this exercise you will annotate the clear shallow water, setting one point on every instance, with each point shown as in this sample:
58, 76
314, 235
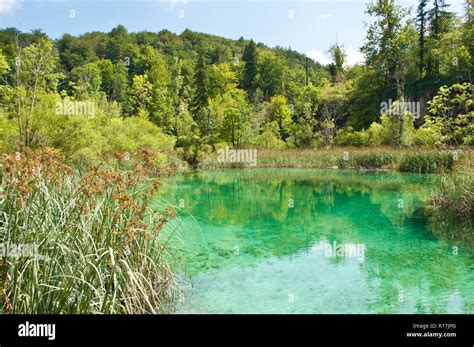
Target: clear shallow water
315, 241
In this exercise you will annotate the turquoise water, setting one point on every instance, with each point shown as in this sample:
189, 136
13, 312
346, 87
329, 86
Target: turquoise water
315, 241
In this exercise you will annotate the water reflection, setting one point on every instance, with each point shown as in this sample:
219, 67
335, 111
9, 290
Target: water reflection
266, 240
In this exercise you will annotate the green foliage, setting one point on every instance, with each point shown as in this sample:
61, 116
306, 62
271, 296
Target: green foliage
384, 44
332, 109
349, 137
8, 133
201, 84
140, 95
194, 88
429, 134
270, 137
85, 81
338, 57
395, 129
272, 74
280, 113
236, 119
250, 70
303, 133
4, 67
451, 113
362, 106
114, 80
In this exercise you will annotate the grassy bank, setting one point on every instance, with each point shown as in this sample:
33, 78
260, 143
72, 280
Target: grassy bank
368, 158
453, 198
82, 241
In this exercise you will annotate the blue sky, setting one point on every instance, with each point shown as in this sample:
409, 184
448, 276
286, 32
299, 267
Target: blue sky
306, 26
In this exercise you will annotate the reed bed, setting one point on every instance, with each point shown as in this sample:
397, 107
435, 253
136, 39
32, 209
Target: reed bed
83, 241
418, 160
454, 196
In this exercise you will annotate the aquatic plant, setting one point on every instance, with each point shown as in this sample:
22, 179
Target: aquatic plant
82, 241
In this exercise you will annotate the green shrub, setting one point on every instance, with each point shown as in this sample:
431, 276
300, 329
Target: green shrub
393, 130
88, 138
270, 137
451, 111
428, 134
349, 137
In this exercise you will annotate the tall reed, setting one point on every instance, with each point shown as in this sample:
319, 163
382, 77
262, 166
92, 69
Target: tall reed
454, 196
90, 242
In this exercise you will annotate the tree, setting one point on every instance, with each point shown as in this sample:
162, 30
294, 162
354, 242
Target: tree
440, 22
332, 109
272, 74
35, 76
452, 111
119, 86
438, 16
303, 131
338, 57
270, 137
363, 106
179, 89
86, 80
140, 96
221, 79
4, 67
114, 79
201, 83
250, 69
117, 43
236, 118
152, 63
421, 18
280, 113
382, 44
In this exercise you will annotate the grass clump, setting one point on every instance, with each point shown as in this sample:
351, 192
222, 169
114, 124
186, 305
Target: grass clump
387, 158
96, 242
454, 196
373, 160
427, 161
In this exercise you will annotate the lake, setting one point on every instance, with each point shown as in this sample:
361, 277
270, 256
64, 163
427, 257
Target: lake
315, 241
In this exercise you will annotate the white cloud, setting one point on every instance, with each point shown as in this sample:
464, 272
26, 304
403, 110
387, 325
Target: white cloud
8, 5
353, 56
318, 56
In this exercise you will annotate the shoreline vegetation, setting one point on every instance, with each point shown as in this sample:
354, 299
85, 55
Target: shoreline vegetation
383, 158
83, 240
452, 199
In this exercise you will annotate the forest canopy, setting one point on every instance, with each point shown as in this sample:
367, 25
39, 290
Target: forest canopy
187, 95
